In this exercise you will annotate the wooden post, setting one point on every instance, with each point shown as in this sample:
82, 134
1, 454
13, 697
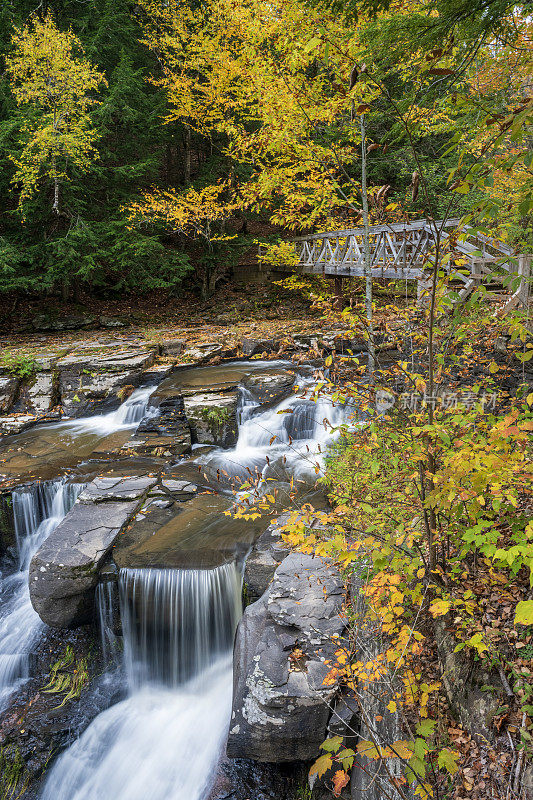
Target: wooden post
339, 299
423, 288
524, 271
521, 296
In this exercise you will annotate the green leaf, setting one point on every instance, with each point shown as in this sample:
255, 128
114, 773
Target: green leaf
331, 745
447, 760
425, 727
524, 613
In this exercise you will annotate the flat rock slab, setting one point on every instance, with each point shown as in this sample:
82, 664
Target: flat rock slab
107, 489
64, 571
270, 386
194, 533
94, 381
281, 706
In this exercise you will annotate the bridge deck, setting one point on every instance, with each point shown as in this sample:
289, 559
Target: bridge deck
405, 251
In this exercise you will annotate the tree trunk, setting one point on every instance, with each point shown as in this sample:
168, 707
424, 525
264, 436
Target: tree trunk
366, 249
187, 168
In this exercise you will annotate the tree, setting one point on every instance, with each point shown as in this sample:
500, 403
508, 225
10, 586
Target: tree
53, 86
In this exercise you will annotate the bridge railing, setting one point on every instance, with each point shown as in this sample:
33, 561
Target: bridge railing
406, 251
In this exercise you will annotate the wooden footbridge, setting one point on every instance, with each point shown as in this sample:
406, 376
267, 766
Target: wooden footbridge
405, 251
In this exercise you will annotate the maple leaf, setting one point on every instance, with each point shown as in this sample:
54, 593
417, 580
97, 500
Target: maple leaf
447, 760
321, 765
339, 781
524, 613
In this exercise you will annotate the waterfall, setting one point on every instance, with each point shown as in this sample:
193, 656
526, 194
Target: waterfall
106, 601
289, 440
37, 512
177, 622
128, 415
163, 741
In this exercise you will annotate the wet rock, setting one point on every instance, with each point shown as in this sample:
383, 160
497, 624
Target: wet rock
266, 555
64, 571
7, 523
41, 393
202, 353
155, 374
92, 383
172, 347
8, 389
192, 533
16, 423
213, 418
107, 489
280, 706
253, 347
270, 386
36, 727
167, 433
244, 779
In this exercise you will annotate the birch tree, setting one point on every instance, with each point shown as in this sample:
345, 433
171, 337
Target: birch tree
53, 85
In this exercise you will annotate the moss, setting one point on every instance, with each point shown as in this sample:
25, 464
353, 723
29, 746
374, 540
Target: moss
14, 777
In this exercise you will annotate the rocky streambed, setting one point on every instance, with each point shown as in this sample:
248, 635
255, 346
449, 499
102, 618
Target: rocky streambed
116, 521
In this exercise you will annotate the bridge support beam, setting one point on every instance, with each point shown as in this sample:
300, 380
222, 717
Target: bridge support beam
338, 302
521, 296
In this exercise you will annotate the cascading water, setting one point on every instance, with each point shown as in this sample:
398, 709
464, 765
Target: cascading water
284, 441
128, 415
163, 741
177, 622
37, 512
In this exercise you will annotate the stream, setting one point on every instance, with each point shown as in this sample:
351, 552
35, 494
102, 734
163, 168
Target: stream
178, 617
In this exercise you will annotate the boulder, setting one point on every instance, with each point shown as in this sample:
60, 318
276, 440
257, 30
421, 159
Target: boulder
65, 569
261, 564
213, 418
281, 706
167, 433
270, 386
253, 347
90, 383
62, 322
8, 390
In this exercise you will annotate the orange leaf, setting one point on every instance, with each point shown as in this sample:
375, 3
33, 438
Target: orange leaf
340, 779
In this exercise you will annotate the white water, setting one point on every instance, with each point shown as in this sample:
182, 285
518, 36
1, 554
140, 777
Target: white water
126, 416
162, 743
288, 440
37, 513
